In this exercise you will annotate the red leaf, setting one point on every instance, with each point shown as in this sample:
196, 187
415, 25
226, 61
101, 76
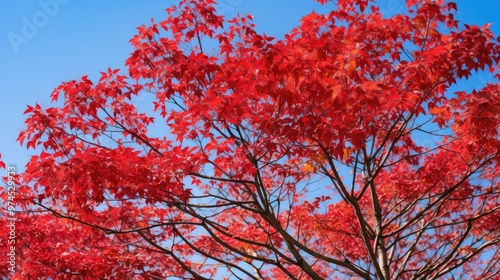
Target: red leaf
2, 164
28, 110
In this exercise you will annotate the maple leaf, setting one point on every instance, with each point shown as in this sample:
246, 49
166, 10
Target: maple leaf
2, 164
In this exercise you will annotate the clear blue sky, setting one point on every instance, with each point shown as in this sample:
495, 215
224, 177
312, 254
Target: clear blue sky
45, 42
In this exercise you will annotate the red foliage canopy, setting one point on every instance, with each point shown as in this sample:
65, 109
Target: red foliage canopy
338, 151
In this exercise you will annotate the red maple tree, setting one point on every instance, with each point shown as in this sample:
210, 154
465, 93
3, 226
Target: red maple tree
265, 158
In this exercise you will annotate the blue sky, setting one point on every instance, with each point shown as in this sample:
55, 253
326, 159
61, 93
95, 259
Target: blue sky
45, 42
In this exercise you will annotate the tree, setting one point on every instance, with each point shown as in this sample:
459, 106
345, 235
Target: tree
293, 158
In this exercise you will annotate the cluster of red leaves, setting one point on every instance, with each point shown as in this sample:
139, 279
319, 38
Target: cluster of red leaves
296, 158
